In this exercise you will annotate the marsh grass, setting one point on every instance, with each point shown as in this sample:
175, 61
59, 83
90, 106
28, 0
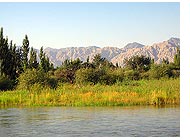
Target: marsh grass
144, 92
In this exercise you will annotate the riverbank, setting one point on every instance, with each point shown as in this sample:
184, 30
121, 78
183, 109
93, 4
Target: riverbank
143, 92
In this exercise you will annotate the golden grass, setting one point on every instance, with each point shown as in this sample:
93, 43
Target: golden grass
153, 92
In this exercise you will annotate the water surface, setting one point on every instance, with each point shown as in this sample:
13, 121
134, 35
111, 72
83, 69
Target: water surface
90, 121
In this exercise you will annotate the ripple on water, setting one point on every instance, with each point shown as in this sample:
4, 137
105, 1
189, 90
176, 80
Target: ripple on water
90, 121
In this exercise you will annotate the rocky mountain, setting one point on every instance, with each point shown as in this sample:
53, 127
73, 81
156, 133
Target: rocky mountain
133, 45
157, 51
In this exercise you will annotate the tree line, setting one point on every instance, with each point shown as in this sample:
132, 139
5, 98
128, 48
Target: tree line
20, 68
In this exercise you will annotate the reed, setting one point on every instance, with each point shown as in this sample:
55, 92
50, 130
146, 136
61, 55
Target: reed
144, 92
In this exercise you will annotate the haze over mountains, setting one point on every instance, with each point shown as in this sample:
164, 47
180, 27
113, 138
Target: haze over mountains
157, 51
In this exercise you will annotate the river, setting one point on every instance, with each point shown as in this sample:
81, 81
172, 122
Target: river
134, 121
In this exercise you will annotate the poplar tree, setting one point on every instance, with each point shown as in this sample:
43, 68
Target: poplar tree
44, 61
177, 58
33, 59
25, 51
1, 51
4, 54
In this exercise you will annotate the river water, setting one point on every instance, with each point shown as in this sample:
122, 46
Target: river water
90, 121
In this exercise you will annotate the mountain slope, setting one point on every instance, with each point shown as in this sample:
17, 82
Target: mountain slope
157, 51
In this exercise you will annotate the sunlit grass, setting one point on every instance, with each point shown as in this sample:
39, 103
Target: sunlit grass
145, 92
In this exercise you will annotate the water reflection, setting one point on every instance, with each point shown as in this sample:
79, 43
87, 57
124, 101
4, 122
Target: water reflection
90, 121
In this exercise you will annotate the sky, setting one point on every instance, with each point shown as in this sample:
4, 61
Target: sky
60, 25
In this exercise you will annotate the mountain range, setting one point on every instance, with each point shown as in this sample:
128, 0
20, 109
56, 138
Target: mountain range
157, 51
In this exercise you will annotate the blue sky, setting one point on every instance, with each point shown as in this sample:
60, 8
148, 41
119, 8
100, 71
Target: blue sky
61, 25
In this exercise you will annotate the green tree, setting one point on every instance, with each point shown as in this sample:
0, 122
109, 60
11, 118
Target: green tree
67, 71
161, 71
5, 56
33, 59
32, 76
2, 53
87, 64
177, 58
101, 62
25, 51
138, 63
98, 61
44, 61
11, 62
18, 61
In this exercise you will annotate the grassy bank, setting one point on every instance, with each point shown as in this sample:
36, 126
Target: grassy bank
144, 92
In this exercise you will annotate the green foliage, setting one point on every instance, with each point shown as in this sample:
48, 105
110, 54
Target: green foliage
159, 71
33, 76
110, 77
100, 62
84, 76
142, 92
9, 60
177, 59
33, 59
6, 84
68, 70
25, 51
44, 62
132, 75
102, 76
138, 63
14, 65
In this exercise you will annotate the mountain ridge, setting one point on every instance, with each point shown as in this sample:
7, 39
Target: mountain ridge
157, 51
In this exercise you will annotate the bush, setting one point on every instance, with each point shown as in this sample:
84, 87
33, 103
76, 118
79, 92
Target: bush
32, 77
6, 84
102, 76
84, 76
132, 75
111, 77
145, 75
159, 71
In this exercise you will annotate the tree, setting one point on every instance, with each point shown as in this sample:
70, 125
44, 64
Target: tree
2, 52
67, 72
177, 58
5, 56
101, 62
18, 61
44, 61
159, 70
11, 62
98, 60
138, 63
33, 59
87, 64
165, 61
8, 62
30, 77
25, 51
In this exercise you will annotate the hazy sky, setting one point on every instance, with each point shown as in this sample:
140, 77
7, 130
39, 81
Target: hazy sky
60, 25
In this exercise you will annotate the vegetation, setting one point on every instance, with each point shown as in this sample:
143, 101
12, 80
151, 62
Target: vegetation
143, 92
26, 81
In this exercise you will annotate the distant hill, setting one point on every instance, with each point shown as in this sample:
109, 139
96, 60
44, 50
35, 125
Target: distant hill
157, 51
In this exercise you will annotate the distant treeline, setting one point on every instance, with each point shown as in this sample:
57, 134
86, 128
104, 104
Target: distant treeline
20, 69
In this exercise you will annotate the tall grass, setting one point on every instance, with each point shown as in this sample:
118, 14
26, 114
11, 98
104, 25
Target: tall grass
144, 92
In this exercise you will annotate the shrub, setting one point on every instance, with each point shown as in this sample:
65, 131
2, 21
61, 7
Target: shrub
84, 76
132, 75
31, 77
159, 71
112, 76
103, 76
6, 84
